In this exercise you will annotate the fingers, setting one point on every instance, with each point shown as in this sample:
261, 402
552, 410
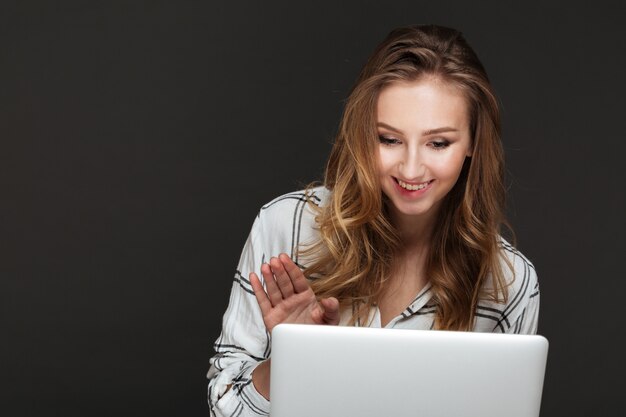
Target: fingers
296, 276
331, 310
287, 296
273, 292
278, 283
259, 293
282, 278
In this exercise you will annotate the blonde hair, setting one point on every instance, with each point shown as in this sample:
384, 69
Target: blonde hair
353, 258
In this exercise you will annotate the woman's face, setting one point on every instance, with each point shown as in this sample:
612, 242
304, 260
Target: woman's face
423, 128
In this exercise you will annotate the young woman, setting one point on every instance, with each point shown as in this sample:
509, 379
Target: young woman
405, 231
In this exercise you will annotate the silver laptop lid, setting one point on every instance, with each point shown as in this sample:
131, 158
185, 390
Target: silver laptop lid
335, 371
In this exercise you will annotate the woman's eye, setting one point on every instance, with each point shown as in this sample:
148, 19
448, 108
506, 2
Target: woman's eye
387, 141
439, 144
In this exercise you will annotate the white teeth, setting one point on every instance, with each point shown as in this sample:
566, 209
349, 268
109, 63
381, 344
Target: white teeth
412, 187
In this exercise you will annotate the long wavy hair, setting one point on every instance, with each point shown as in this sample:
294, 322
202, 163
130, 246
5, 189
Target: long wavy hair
353, 259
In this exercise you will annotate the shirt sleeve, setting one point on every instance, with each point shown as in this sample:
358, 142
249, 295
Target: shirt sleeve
242, 344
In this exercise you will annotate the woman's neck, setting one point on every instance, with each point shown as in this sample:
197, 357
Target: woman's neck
415, 232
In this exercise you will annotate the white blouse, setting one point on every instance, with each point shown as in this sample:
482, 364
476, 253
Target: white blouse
282, 226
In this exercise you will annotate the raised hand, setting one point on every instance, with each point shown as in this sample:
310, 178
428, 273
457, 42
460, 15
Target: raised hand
289, 299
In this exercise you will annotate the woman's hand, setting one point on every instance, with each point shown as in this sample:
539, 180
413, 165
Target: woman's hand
289, 299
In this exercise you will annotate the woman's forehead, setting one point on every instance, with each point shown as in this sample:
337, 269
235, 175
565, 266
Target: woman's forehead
427, 103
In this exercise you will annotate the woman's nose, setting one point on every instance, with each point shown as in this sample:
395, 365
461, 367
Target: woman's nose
411, 166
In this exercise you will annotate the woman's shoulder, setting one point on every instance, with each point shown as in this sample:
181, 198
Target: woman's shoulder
294, 201
289, 219
515, 257
519, 272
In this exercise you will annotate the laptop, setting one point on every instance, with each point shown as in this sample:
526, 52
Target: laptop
334, 371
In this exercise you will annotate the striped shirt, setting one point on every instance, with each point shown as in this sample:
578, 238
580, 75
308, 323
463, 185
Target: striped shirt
282, 226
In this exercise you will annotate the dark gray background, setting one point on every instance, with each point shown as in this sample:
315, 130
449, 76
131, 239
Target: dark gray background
139, 139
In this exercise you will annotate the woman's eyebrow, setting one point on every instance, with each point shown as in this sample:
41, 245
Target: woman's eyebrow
386, 126
440, 130
426, 133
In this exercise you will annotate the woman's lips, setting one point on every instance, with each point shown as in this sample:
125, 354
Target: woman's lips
413, 186
414, 189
